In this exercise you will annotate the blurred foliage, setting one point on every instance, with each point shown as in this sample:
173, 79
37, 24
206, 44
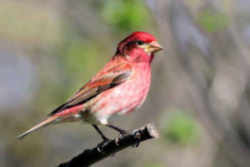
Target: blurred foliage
125, 15
212, 21
180, 128
29, 23
81, 57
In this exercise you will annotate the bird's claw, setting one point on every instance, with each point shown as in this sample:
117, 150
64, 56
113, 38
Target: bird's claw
123, 133
137, 139
101, 145
136, 144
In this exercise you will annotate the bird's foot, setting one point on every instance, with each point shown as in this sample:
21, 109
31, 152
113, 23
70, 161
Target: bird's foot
100, 146
137, 137
123, 132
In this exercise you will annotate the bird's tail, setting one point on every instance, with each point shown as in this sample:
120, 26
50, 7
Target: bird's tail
44, 123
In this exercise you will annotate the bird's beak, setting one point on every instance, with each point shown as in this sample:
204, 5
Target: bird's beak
154, 47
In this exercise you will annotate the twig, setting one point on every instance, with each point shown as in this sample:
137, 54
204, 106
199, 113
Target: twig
91, 156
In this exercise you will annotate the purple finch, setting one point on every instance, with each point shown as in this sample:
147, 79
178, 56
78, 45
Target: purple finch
119, 88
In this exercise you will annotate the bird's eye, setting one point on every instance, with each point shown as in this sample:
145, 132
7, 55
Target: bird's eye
139, 42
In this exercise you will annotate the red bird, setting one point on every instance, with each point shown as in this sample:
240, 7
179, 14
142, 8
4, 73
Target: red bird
119, 88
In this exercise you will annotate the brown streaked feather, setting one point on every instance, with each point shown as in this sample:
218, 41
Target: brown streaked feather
44, 123
113, 76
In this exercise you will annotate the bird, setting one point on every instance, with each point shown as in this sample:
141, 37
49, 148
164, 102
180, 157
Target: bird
120, 87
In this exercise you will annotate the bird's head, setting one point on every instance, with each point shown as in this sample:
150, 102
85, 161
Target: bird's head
139, 46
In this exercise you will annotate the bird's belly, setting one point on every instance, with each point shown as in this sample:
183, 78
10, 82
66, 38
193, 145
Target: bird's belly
120, 100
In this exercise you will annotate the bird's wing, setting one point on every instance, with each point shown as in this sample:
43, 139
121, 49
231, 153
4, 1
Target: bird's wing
104, 80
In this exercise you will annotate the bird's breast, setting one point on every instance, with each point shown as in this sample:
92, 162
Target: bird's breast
127, 96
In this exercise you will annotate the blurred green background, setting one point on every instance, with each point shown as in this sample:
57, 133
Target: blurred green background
199, 98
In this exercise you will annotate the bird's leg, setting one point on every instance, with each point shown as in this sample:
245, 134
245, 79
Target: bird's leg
121, 131
104, 138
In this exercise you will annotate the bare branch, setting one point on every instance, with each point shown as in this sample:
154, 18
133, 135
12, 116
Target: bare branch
91, 156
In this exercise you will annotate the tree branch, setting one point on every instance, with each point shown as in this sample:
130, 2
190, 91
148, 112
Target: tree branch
91, 156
